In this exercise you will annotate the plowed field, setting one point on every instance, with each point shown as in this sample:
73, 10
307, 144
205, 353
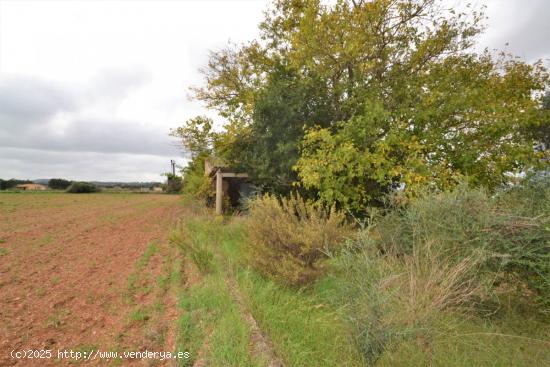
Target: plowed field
85, 272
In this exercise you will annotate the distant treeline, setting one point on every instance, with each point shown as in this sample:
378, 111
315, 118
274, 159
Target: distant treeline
129, 185
62, 184
11, 183
54, 183
59, 183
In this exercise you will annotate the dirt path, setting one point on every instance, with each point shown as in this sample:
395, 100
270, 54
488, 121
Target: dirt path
261, 347
65, 267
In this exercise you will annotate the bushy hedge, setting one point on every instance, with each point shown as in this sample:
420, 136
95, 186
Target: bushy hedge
82, 188
11, 183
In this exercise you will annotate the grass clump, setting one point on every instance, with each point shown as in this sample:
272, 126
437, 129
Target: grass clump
290, 237
194, 244
508, 235
150, 251
392, 298
140, 315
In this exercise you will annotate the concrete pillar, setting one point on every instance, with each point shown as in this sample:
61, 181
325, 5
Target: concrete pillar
219, 192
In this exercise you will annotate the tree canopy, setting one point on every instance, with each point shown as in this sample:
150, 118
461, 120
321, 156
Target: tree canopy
354, 98
59, 183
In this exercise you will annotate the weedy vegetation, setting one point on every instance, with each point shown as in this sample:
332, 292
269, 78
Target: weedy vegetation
453, 278
195, 247
450, 268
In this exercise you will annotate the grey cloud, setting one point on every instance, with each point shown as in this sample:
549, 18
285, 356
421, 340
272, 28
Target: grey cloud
530, 39
521, 28
117, 136
28, 101
86, 166
95, 135
29, 107
117, 83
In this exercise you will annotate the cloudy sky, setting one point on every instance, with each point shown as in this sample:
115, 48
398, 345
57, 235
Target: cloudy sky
90, 89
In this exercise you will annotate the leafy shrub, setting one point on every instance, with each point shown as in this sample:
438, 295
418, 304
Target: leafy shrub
531, 198
173, 184
195, 184
290, 237
195, 248
524, 236
82, 188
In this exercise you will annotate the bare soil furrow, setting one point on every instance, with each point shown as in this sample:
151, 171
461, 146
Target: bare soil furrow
63, 278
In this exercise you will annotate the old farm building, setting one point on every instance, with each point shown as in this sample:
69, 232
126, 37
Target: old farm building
230, 185
30, 187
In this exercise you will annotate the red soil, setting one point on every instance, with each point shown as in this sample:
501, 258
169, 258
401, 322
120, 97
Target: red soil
66, 265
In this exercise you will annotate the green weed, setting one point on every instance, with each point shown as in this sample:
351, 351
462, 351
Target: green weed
193, 242
152, 249
140, 315
57, 318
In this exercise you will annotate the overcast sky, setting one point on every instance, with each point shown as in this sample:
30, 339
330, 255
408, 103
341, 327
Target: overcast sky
90, 89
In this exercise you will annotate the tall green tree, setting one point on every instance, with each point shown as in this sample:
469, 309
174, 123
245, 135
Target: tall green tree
283, 109
465, 119
355, 97
542, 132
198, 138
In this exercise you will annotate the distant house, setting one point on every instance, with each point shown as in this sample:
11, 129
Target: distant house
156, 189
30, 187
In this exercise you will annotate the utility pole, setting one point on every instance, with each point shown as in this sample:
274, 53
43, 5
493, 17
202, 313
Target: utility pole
173, 163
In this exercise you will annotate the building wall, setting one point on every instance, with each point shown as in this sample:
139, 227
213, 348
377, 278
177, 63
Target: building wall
31, 187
